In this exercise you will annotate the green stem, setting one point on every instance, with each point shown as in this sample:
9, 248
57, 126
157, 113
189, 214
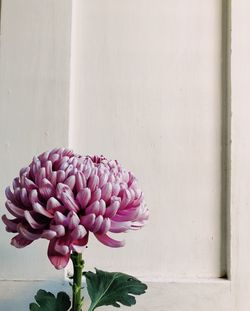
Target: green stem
78, 264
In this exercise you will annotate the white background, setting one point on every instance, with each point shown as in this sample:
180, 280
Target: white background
144, 82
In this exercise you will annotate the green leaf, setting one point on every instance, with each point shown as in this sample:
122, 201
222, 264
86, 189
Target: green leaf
112, 288
46, 301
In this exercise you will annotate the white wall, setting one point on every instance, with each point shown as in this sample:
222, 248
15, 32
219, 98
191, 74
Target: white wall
34, 97
146, 90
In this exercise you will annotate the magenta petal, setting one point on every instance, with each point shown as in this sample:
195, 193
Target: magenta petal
48, 234
83, 197
11, 225
60, 218
70, 181
112, 209
33, 196
106, 240
37, 207
105, 226
59, 229
14, 210
97, 225
88, 220
106, 191
79, 245
93, 182
58, 260
93, 208
80, 181
46, 189
19, 241
24, 197
78, 233
9, 194
95, 196
34, 224
73, 220
27, 234
52, 204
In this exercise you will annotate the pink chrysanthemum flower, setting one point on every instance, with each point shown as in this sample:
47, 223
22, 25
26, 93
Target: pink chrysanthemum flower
62, 197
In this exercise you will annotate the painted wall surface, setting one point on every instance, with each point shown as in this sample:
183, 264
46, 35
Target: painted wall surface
139, 81
146, 90
34, 97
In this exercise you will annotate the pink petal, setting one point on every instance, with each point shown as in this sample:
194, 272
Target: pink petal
34, 224
19, 241
52, 204
102, 207
83, 197
14, 210
11, 225
105, 226
78, 233
9, 195
97, 225
27, 234
46, 188
70, 181
60, 218
65, 194
48, 168
73, 220
59, 229
33, 196
80, 181
112, 209
95, 196
106, 240
80, 244
93, 182
106, 191
60, 176
48, 234
88, 220
24, 197
58, 260
37, 207
93, 208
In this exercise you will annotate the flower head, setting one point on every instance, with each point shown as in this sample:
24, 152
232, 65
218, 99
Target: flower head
63, 197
